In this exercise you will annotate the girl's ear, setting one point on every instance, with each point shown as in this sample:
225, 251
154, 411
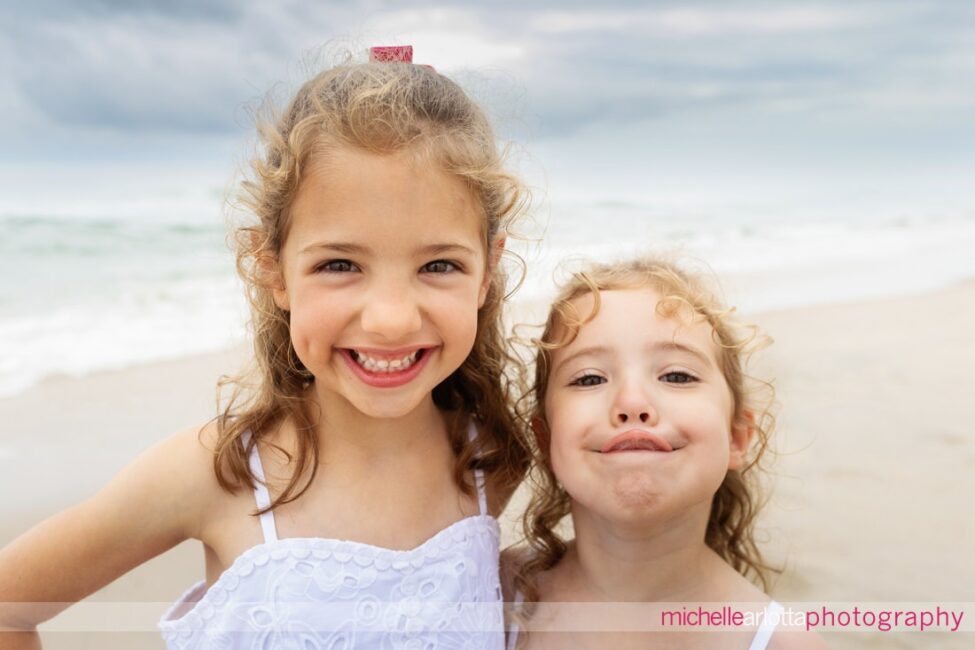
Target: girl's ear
497, 251
742, 432
273, 277
281, 298
269, 272
493, 260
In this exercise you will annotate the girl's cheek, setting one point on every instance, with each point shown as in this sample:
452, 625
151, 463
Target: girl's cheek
466, 318
558, 462
311, 331
303, 346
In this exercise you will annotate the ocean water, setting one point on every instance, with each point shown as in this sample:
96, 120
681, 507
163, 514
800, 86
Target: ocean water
91, 294
768, 259
90, 286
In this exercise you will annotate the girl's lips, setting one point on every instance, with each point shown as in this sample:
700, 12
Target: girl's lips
388, 379
636, 440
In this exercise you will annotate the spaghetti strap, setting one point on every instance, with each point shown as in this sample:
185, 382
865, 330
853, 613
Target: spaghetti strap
261, 495
478, 474
773, 612
513, 628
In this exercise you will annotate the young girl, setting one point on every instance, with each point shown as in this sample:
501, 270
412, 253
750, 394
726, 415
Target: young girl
348, 497
647, 429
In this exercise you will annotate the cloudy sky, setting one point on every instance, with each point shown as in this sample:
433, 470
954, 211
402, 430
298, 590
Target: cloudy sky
706, 102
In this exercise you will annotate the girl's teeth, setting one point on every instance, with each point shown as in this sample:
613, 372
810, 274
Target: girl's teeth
384, 365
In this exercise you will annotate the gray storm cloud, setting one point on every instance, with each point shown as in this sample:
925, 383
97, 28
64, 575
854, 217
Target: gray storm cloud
188, 68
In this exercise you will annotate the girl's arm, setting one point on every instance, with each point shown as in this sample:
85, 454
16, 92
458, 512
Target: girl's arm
153, 504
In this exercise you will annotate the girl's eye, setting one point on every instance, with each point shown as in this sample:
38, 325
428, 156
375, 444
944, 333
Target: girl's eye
677, 377
336, 266
588, 380
440, 266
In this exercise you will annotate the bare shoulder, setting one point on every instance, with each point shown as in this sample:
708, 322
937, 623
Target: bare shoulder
173, 480
736, 588
791, 639
186, 461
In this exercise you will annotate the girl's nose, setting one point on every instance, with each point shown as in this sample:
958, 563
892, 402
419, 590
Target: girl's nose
635, 416
391, 313
632, 406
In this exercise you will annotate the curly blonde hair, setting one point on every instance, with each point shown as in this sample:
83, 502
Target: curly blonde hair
381, 108
730, 528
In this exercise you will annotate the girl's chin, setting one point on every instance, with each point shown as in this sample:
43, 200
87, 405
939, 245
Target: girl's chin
392, 407
387, 411
640, 502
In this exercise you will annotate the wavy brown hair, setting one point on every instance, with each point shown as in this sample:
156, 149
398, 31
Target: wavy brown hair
730, 528
380, 108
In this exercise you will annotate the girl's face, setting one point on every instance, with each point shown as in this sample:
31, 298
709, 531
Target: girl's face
639, 412
384, 270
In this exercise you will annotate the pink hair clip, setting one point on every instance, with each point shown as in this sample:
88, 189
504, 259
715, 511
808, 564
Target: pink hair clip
393, 54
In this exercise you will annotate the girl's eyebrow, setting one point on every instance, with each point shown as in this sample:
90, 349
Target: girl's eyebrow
358, 249
592, 350
338, 247
438, 249
673, 346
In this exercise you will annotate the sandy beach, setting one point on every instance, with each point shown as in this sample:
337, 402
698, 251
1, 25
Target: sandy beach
872, 483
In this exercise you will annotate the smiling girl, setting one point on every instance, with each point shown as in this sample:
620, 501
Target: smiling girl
648, 429
349, 499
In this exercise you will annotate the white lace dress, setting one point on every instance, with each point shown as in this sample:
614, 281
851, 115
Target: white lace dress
315, 593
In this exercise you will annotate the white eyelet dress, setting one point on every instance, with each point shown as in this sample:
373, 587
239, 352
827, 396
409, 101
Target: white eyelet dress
316, 593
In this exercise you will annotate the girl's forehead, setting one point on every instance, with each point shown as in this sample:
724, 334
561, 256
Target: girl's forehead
385, 199
631, 316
